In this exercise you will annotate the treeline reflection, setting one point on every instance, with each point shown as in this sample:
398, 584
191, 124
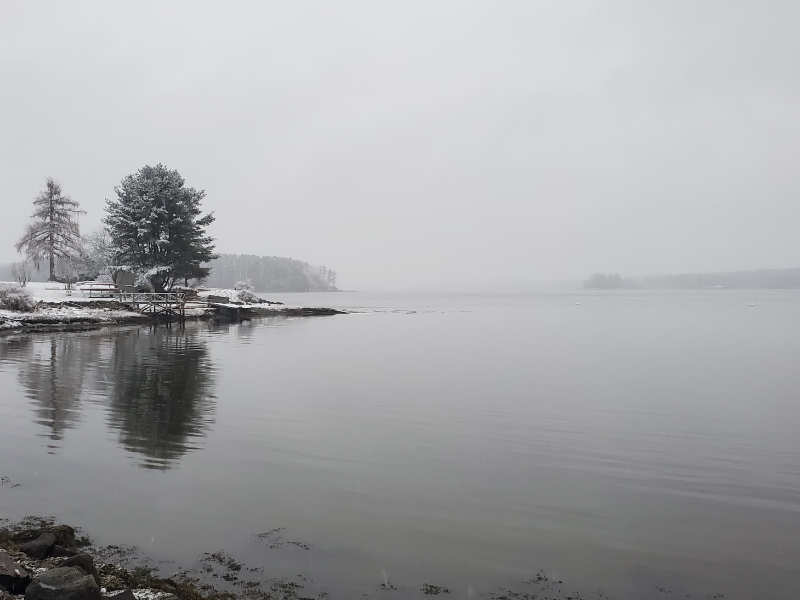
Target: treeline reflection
156, 384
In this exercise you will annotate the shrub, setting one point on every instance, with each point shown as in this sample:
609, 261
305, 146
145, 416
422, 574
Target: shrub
22, 272
243, 285
16, 299
248, 297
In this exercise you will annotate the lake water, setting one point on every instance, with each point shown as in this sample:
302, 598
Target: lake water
632, 445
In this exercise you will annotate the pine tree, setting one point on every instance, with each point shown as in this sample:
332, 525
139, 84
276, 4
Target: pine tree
157, 226
54, 232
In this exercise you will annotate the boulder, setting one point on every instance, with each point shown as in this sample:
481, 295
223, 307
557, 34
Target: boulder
83, 561
40, 547
13, 576
59, 550
64, 534
63, 583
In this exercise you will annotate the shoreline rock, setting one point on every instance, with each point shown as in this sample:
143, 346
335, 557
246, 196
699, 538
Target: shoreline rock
14, 578
63, 583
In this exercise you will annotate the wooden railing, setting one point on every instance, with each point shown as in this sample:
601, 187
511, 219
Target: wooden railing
151, 297
169, 304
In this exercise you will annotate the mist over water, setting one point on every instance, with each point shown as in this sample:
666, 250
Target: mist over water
623, 442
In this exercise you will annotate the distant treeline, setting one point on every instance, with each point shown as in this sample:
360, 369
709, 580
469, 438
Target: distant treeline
270, 274
609, 281
266, 273
755, 279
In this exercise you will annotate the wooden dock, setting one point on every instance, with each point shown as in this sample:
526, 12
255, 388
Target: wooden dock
165, 304
172, 305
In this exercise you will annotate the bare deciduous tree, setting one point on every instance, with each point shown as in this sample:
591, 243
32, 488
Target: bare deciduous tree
22, 272
67, 271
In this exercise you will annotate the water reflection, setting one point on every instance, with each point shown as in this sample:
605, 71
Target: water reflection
155, 384
161, 401
53, 373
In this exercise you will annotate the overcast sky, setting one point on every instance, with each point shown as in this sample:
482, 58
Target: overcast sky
424, 144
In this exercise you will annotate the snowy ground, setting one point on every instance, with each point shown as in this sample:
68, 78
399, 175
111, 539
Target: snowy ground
68, 314
48, 291
55, 294
233, 295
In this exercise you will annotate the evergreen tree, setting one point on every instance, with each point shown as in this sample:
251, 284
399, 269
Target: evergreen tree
54, 233
157, 226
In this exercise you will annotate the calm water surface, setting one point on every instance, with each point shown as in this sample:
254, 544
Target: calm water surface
639, 445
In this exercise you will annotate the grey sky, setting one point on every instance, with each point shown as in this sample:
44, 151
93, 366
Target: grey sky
424, 144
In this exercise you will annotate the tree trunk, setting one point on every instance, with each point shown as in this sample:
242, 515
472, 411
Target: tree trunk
51, 243
158, 284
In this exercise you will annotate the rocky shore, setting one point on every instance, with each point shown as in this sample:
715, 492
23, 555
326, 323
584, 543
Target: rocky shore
74, 316
43, 561
65, 318
83, 321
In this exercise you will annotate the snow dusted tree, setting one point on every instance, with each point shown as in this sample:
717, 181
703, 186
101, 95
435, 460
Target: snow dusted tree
156, 224
101, 254
54, 232
67, 269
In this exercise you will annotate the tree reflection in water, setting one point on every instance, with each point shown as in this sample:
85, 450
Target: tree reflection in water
161, 395
155, 384
52, 372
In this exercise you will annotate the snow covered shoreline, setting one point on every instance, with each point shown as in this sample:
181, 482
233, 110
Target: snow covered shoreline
58, 310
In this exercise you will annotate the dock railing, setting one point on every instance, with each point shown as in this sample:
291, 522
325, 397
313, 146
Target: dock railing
156, 303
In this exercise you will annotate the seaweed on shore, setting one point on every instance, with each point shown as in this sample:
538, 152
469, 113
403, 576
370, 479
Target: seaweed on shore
275, 539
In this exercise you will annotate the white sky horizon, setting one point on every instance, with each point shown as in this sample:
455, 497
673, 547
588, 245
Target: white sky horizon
425, 145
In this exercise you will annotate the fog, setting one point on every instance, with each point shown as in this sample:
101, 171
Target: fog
424, 144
